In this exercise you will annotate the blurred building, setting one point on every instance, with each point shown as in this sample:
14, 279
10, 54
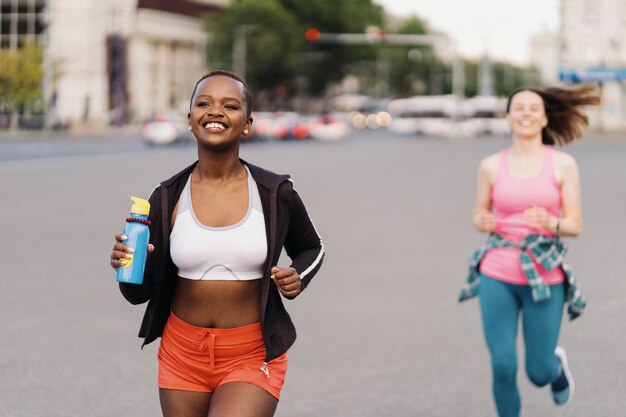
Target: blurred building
115, 61
21, 21
544, 55
590, 47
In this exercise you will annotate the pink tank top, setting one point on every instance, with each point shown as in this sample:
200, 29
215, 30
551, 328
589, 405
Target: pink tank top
509, 198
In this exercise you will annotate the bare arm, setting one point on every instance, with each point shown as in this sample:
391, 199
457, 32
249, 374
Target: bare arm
482, 217
570, 224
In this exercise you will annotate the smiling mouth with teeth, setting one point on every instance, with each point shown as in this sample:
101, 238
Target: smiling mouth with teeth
213, 125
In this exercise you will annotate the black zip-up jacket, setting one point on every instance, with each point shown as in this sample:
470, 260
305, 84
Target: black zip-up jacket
287, 225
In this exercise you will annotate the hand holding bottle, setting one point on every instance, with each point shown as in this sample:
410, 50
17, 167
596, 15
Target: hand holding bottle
132, 260
122, 253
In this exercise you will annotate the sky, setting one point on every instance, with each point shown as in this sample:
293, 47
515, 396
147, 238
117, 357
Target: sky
503, 29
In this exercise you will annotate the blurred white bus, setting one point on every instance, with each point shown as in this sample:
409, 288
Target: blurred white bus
424, 115
447, 116
484, 116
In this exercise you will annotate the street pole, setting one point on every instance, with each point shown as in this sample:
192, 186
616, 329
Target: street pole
240, 48
485, 78
382, 75
458, 81
46, 83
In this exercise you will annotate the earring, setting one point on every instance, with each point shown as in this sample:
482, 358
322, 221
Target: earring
245, 131
189, 127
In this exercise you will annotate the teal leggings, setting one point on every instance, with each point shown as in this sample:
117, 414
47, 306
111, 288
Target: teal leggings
500, 305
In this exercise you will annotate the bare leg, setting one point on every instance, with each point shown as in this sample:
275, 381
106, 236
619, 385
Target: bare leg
240, 399
176, 403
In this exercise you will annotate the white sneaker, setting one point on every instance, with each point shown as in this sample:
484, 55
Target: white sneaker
563, 385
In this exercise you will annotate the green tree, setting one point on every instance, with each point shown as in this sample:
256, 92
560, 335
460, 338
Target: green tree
416, 69
471, 78
509, 77
277, 53
324, 63
21, 73
271, 44
506, 77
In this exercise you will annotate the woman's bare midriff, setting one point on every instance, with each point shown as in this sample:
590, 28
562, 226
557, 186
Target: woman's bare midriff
217, 304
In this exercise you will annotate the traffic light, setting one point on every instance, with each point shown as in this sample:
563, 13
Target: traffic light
312, 35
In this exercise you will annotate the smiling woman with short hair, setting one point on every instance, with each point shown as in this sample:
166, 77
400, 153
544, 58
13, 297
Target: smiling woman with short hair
212, 282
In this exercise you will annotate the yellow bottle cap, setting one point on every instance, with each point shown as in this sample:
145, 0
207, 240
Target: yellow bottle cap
141, 206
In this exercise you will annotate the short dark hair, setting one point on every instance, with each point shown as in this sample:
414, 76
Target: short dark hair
232, 75
566, 119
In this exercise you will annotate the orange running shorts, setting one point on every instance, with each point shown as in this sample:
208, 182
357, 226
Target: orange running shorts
201, 359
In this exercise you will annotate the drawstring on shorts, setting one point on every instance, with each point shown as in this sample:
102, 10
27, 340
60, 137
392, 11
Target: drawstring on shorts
207, 344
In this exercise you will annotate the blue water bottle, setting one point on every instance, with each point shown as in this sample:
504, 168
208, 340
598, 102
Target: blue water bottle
137, 236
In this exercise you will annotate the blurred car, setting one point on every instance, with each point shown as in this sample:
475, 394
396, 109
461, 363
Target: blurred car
166, 128
290, 125
281, 125
262, 124
328, 127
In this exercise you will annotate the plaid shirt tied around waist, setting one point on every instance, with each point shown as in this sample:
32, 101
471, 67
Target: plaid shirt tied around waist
549, 252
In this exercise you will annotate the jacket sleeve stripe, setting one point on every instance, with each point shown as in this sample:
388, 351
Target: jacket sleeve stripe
319, 257
316, 263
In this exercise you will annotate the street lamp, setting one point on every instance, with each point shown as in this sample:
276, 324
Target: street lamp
240, 48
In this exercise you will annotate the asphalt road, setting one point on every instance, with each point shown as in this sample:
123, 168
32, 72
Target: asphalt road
380, 332
41, 145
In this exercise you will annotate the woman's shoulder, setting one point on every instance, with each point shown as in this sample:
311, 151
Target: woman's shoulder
259, 169
563, 157
564, 161
266, 177
490, 162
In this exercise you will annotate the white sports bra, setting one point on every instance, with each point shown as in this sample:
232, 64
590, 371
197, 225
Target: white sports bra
231, 253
